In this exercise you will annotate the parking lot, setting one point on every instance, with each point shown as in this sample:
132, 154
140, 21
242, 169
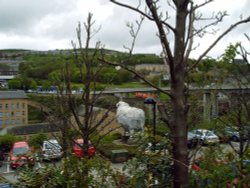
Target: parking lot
12, 174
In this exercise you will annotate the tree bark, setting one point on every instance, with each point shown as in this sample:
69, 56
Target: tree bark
179, 123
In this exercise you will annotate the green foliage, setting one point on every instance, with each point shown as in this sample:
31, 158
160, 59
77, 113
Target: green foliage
38, 66
6, 141
5, 67
110, 75
15, 83
155, 79
97, 86
230, 53
22, 82
48, 177
108, 139
107, 101
151, 167
46, 85
218, 169
36, 140
195, 119
73, 172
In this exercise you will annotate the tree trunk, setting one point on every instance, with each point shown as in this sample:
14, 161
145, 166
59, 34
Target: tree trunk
179, 121
179, 132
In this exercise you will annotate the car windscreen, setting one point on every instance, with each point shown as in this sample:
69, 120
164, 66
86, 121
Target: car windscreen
208, 133
52, 146
79, 146
20, 151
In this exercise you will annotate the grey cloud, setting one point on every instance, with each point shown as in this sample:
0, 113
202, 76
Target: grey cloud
20, 15
52, 23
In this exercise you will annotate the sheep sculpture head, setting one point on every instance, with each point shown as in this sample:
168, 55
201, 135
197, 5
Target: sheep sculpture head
130, 118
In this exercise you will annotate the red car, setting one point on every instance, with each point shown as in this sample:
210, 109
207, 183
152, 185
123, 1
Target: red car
20, 154
77, 148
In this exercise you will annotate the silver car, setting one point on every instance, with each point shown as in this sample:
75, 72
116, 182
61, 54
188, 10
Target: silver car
204, 136
51, 149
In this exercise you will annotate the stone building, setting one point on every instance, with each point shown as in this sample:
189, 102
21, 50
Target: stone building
13, 108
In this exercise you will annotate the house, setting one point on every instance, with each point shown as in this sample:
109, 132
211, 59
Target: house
13, 108
150, 70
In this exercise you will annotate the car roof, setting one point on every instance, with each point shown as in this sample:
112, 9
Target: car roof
79, 140
204, 130
53, 141
20, 144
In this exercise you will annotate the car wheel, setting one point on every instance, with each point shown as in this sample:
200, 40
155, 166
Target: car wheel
200, 142
235, 139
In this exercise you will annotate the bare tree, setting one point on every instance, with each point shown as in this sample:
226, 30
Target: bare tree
176, 57
77, 114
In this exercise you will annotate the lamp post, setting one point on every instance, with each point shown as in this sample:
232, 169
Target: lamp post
152, 101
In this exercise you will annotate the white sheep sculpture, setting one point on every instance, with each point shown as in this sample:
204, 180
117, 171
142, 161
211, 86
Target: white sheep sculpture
130, 118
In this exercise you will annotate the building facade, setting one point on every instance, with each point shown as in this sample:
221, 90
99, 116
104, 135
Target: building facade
13, 108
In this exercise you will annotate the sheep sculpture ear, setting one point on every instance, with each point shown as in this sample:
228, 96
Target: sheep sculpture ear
118, 104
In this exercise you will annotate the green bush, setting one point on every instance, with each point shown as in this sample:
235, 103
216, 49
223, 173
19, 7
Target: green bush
7, 141
37, 140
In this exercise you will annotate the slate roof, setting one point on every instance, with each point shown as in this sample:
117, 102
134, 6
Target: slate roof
13, 95
32, 129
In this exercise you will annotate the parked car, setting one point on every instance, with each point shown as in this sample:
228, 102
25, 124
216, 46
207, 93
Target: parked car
203, 136
192, 140
232, 134
21, 154
1, 157
51, 149
78, 148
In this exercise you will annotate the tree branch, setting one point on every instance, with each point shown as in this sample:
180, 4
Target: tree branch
142, 13
135, 73
218, 39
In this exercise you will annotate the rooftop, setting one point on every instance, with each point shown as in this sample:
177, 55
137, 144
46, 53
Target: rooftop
13, 95
30, 129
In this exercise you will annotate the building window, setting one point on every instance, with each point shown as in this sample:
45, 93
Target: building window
6, 106
12, 122
23, 105
13, 106
1, 114
17, 105
18, 113
6, 122
23, 120
18, 121
23, 113
12, 114
1, 122
7, 114
1, 106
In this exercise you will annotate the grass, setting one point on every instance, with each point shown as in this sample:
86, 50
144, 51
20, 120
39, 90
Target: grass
127, 85
124, 85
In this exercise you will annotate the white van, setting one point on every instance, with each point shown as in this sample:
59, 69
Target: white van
51, 149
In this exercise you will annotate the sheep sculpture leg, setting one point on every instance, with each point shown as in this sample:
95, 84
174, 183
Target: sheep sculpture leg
130, 118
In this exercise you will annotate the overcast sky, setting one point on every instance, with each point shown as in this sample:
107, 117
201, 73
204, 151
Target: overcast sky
50, 24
